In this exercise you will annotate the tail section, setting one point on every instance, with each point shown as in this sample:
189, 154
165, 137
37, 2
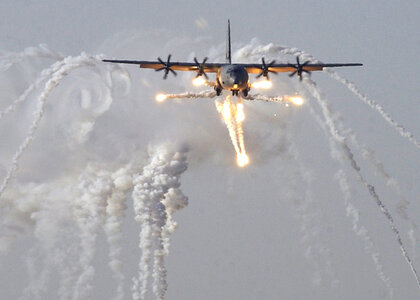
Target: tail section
228, 49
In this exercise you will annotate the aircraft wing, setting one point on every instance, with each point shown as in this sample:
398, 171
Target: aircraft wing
176, 66
213, 67
257, 68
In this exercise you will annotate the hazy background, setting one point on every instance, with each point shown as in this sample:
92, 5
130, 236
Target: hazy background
247, 233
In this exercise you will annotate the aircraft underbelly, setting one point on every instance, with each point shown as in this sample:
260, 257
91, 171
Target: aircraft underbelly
233, 77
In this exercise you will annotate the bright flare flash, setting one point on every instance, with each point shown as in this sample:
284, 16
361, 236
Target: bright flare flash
198, 81
296, 100
161, 97
263, 84
233, 116
226, 110
242, 159
240, 115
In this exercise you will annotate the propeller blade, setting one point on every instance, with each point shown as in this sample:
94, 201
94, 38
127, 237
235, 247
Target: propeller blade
272, 63
200, 67
166, 67
299, 68
265, 69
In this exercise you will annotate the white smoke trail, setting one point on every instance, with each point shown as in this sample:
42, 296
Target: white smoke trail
361, 231
340, 139
402, 205
350, 85
252, 50
203, 94
52, 209
70, 63
368, 155
317, 253
272, 49
89, 213
353, 88
8, 60
160, 285
380, 169
266, 98
48, 212
16, 207
38, 280
413, 239
113, 225
156, 196
143, 210
56, 255
174, 201
386, 212
353, 213
45, 74
32, 274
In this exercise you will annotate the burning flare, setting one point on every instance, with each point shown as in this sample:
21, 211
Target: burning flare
262, 84
242, 159
161, 97
296, 100
233, 116
199, 81
240, 115
226, 110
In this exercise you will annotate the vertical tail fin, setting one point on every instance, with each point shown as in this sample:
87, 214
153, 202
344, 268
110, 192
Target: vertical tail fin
228, 49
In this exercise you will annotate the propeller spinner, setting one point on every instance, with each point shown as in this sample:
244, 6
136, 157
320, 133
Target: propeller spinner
266, 68
166, 67
299, 68
200, 70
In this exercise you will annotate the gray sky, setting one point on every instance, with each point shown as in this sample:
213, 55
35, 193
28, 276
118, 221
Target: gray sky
261, 232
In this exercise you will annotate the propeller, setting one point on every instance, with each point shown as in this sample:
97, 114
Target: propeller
200, 70
265, 69
299, 68
166, 67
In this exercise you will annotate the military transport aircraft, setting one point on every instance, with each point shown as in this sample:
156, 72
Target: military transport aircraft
231, 76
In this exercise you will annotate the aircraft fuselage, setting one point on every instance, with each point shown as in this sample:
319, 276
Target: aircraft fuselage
233, 77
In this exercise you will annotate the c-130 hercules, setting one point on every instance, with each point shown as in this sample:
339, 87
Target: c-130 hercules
231, 76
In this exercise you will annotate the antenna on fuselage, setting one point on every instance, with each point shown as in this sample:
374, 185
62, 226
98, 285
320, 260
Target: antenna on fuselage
228, 49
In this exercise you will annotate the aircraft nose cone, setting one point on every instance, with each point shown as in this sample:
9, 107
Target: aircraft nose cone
237, 79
